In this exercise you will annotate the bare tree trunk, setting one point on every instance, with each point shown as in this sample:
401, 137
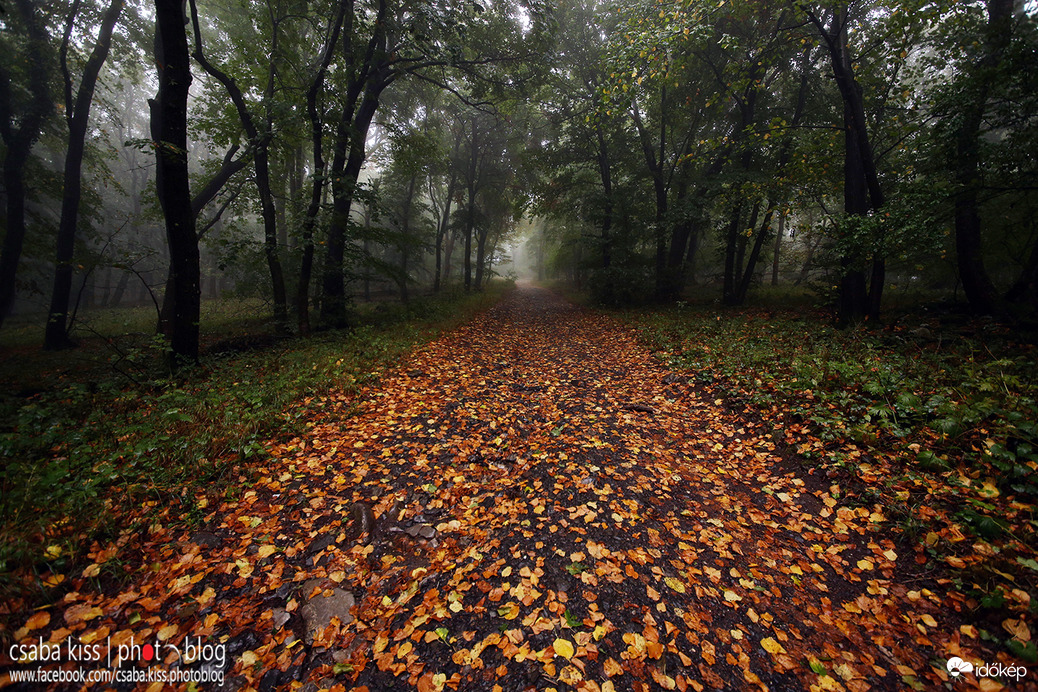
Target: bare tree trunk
862, 191
169, 130
77, 115
314, 115
260, 141
977, 284
19, 142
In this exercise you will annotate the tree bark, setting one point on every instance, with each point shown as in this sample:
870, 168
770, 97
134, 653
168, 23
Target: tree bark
980, 290
316, 121
777, 249
443, 223
169, 130
364, 87
77, 115
472, 187
19, 142
862, 191
259, 141
344, 186
654, 163
605, 173
758, 244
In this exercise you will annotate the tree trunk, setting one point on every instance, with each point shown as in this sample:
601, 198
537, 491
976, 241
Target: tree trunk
448, 255
481, 249
364, 87
406, 231
120, 288
19, 142
333, 299
441, 231
862, 190
169, 130
313, 208
77, 115
270, 240
654, 163
730, 250
778, 247
605, 173
467, 259
260, 141
758, 244
977, 284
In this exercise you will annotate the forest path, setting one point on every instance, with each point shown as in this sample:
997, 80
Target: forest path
571, 516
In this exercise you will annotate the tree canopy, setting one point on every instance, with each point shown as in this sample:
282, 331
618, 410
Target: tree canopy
645, 147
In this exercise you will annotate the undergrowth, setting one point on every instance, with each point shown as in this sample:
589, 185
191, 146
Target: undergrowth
964, 403
931, 423
83, 458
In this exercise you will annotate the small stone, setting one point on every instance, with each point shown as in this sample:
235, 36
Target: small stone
281, 616
206, 539
318, 612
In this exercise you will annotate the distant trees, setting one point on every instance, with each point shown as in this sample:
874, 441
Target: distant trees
853, 145
77, 117
987, 112
751, 115
277, 138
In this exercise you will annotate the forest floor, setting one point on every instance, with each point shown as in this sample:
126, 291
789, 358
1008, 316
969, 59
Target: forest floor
532, 501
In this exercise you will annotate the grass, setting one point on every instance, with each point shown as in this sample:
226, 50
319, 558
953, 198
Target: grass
98, 440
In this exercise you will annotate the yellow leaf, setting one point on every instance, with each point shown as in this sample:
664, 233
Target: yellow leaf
509, 611
266, 551
563, 647
772, 646
731, 596
675, 584
95, 635
844, 671
82, 613
166, 632
53, 580
988, 489
244, 567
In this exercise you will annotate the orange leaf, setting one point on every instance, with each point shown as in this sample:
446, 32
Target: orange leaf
40, 618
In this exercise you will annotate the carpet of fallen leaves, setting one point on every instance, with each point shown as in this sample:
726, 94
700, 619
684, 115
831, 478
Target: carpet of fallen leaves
571, 516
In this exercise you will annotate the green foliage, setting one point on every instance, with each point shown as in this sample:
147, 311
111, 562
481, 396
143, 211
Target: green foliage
620, 285
967, 404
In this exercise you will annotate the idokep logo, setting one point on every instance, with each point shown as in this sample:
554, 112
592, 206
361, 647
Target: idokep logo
957, 667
